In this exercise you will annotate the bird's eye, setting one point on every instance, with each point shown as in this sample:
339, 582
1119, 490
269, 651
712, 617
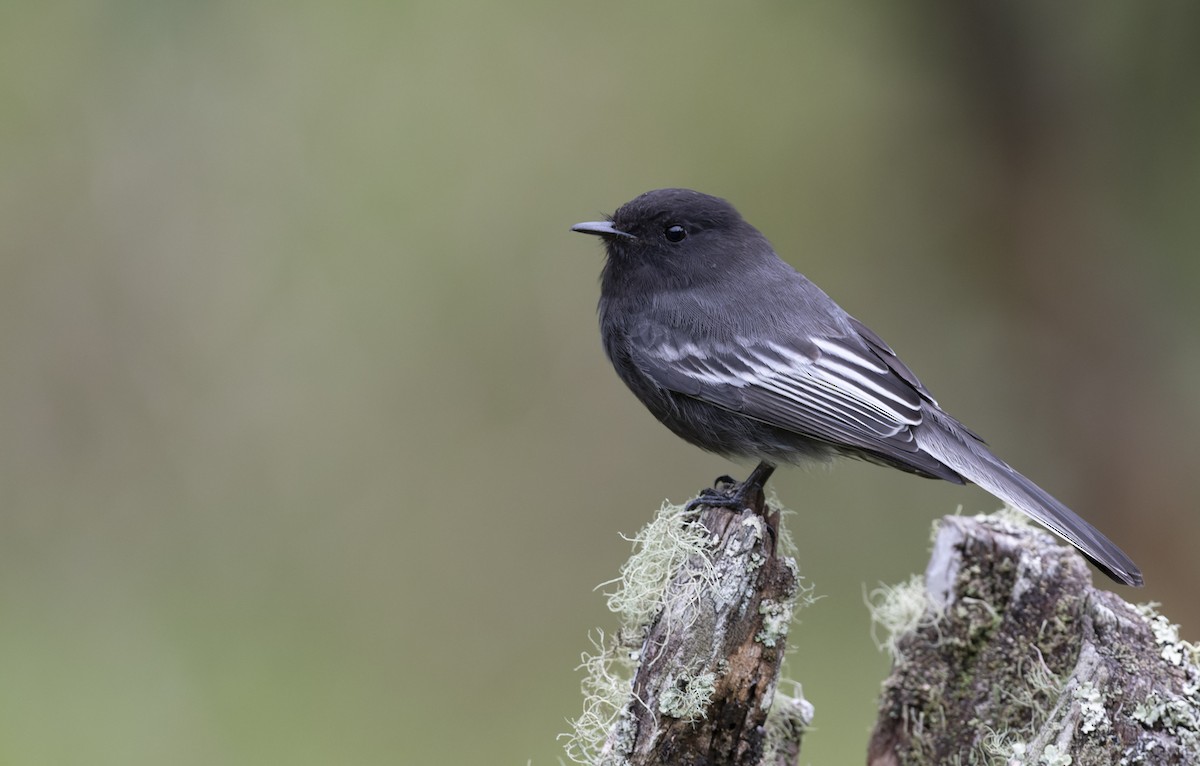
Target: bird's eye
675, 233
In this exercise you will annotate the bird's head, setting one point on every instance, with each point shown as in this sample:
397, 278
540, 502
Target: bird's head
675, 237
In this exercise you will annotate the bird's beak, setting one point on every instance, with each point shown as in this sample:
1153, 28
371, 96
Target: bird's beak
601, 228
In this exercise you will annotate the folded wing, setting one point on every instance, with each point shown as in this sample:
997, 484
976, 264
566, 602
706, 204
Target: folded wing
850, 392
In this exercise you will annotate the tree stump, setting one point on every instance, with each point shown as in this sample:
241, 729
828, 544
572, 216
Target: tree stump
1009, 655
705, 666
1004, 655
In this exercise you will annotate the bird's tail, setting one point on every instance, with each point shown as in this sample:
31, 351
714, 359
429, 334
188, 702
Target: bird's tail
950, 442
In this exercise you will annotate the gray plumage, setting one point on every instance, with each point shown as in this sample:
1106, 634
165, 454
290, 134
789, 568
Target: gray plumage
738, 353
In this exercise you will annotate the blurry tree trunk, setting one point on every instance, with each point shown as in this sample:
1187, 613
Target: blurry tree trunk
1016, 659
1069, 270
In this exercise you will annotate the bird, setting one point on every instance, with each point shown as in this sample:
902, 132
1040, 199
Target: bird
741, 355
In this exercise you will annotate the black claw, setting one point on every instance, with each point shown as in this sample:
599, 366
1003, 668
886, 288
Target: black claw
735, 502
711, 498
739, 496
720, 486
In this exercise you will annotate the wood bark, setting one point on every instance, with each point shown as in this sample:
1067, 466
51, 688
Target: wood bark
1016, 658
709, 664
1005, 654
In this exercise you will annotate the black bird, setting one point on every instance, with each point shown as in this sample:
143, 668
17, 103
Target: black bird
738, 353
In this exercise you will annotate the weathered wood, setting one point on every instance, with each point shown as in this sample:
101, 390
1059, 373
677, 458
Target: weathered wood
710, 661
1014, 658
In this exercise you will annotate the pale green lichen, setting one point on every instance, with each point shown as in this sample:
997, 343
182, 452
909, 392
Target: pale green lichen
1043, 686
1093, 716
1172, 648
1177, 716
757, 560
688, 697
788, 719
1029, 700
1017, 754
1173, 714
1052, 756
777, 618
998, 747
663, 545
898, 610
660, 548
606, 688
785, 545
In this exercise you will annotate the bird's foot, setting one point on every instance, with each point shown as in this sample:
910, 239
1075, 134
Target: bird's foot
712, 498
718, 495
728, 493
740, 499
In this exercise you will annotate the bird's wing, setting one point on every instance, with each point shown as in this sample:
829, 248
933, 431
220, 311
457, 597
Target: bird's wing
882, 350
840, 390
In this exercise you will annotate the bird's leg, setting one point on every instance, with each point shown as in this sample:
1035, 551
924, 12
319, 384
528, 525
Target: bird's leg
742, 493
758, 477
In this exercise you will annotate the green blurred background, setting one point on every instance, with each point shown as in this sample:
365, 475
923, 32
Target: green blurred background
310, 453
